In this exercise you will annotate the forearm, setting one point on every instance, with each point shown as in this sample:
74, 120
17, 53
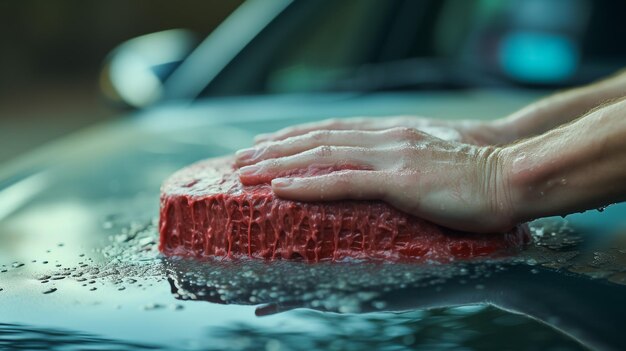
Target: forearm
557, 109
578, 166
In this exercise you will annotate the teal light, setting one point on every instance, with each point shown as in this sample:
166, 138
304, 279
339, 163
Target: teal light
537, 57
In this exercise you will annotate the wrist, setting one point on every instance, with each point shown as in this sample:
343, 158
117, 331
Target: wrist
501, 212
522, 178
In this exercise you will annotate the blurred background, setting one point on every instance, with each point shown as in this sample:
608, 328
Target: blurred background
51, 54
55, 76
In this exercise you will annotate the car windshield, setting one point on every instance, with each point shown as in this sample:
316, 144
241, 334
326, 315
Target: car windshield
399, 44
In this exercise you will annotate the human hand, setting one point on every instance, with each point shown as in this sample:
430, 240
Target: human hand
457, 185
465, 131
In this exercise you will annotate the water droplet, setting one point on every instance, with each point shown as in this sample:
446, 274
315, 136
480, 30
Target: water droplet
153, 306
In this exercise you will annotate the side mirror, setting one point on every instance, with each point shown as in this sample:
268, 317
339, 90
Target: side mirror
134, 72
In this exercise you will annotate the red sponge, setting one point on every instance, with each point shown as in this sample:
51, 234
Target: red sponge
206, 211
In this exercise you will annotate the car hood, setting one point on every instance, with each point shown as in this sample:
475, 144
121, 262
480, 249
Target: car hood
67, 200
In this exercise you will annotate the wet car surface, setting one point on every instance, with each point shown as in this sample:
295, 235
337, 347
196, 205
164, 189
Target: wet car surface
79, 265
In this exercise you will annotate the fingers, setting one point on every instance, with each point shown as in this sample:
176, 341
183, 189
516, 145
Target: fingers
329, 124
301, 143
335, 157
350, 184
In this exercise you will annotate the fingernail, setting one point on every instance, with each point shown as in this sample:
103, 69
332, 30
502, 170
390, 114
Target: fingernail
245, 154
282, 182
249, 170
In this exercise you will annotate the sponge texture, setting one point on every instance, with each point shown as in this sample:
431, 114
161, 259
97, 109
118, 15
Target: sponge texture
206, 211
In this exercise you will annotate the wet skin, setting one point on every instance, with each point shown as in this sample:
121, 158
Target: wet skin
466, 175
